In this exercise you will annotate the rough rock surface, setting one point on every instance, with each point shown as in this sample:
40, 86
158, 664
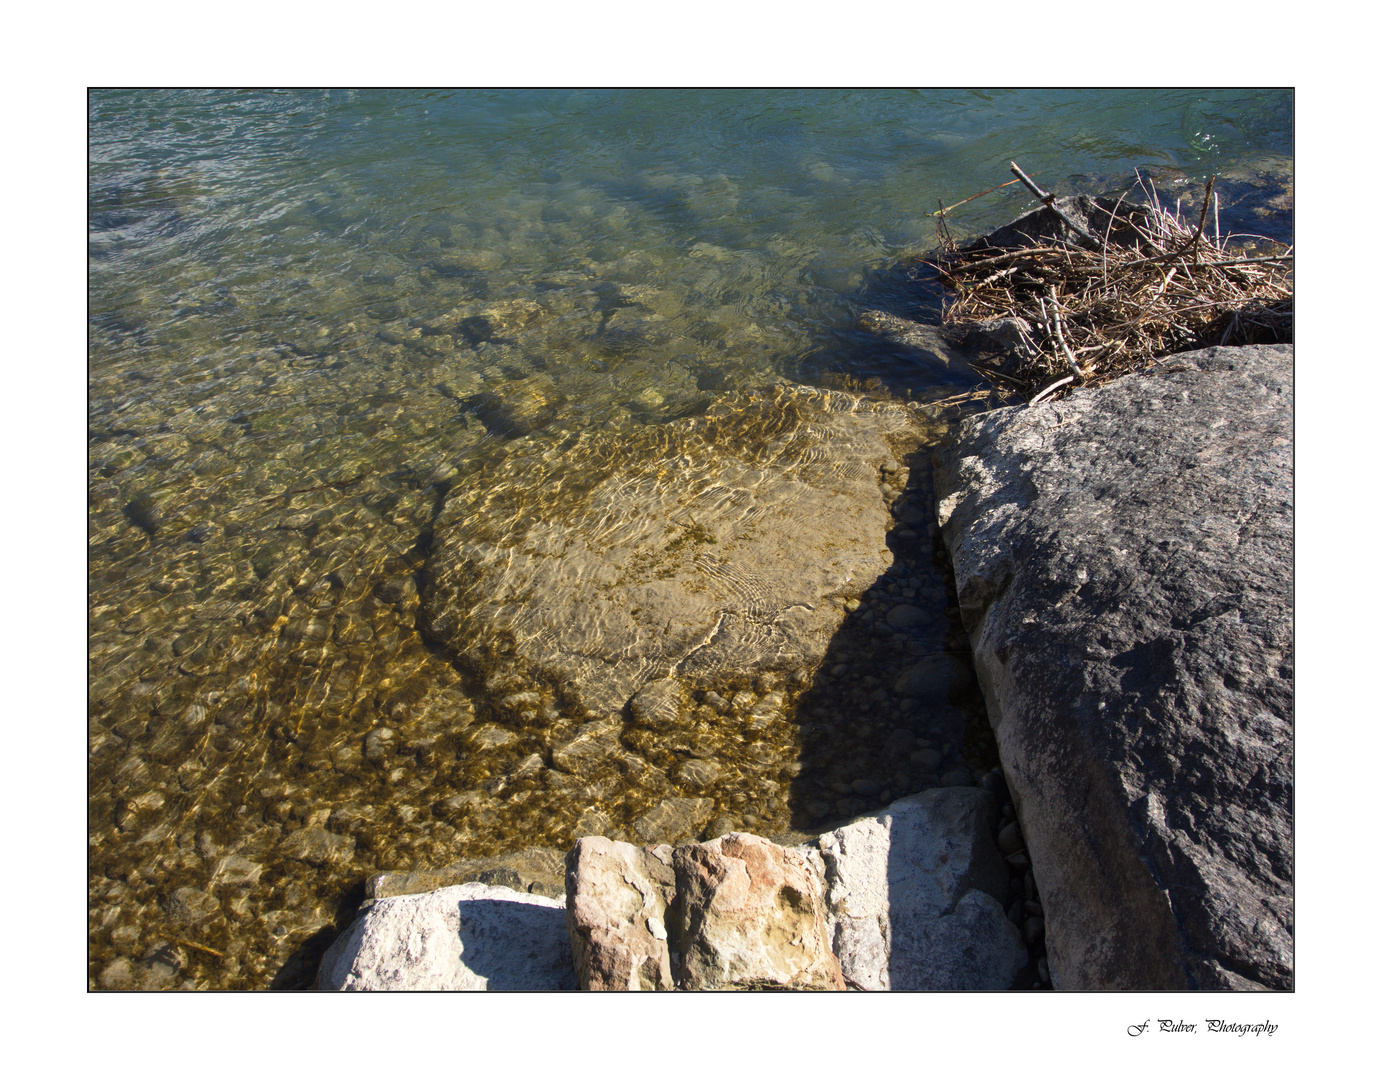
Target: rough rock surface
736, 913
466, 937
750, 918
616, 914
724, 543
1093, 214
913, 896
1124, 565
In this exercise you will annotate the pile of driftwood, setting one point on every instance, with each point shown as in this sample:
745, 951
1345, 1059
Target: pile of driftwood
1092, 306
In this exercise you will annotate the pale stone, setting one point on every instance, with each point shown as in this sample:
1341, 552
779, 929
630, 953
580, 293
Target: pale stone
673, 819
750, 918
912, 896
616, 904
594, 742
318, 847
466, 937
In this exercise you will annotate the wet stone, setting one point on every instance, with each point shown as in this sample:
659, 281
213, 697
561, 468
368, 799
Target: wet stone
491, 737
673, 820
594, 743
1010, 839
317, 846
698, 773
188, 906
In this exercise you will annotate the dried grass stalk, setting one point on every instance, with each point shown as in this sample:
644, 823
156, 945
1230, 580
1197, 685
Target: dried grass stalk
1107, 312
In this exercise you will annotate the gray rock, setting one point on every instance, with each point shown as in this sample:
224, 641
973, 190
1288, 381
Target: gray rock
906, 616
1042, 226
466, 937
1124, 566
1010, 340
919, 342
912, 896
931, 678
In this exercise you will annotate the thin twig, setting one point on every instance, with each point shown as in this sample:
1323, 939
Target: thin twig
1204, 209
1050, 201
200, 948
1259, 259
1060, 338
947, 209
1051, 389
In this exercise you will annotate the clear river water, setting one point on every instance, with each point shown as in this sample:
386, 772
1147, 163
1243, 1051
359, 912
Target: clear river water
300, 303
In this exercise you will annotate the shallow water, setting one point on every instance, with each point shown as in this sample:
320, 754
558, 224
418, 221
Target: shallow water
312, 315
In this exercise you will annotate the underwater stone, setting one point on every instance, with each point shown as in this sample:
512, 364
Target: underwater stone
678, 554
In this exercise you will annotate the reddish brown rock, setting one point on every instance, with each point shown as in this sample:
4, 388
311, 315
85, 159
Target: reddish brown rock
616, 911
750, 917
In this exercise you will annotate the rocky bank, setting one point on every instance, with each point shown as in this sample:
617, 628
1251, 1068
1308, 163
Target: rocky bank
1123, 567
907, 899
1123, 559
655, 619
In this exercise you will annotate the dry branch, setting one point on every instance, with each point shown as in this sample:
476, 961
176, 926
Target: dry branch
1172, 286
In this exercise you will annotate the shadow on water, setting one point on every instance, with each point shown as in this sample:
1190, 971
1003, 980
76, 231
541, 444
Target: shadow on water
299, 971
892, 343
894, 708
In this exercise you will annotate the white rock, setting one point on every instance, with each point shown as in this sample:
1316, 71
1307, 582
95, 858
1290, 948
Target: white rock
911, 896
465, 937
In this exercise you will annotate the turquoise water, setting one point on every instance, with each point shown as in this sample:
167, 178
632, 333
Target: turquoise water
298, 304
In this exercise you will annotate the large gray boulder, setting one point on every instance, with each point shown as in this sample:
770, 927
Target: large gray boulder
913, 896
464, 937
1124, 565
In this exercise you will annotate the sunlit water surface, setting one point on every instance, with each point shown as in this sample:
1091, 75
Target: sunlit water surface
299, 303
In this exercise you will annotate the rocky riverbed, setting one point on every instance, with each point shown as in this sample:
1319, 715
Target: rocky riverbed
348, 657
678, 677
